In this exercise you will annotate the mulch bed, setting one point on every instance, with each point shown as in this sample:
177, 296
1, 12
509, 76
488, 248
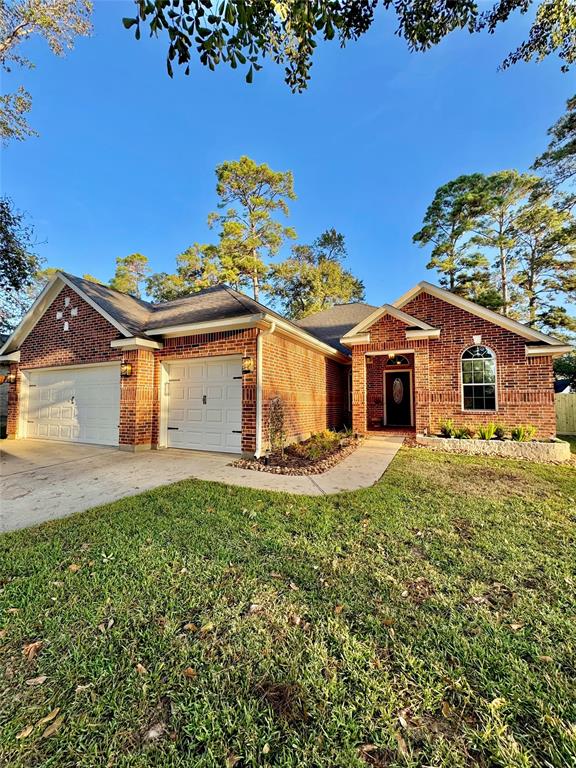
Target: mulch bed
293, 464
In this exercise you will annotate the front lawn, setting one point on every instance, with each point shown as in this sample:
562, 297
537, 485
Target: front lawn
428, 621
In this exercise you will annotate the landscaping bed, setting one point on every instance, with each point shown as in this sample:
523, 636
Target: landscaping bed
313, 456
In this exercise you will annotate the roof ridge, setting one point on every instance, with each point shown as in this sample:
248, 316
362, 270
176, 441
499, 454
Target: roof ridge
147, 304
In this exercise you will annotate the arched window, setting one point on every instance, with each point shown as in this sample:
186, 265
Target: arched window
478, 379
397, 360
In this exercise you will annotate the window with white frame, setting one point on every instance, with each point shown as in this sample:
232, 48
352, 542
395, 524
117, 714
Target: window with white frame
478, 379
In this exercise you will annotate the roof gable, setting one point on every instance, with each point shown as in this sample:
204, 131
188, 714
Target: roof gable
475, 309
387, 309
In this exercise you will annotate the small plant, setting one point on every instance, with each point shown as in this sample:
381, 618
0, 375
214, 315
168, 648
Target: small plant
486, 432
276, 426
499, 432
447, 428
523, 433
463, 433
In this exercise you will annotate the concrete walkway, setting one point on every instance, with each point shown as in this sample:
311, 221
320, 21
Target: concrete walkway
45, 480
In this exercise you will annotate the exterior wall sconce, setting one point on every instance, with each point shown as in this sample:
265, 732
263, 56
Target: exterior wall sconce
369, 360
125, 370
8, 378
247, 364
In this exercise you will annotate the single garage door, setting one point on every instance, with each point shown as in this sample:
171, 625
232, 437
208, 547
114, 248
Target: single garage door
205, 405
75, 404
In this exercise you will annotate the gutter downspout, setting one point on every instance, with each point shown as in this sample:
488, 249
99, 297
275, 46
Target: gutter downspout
268, 332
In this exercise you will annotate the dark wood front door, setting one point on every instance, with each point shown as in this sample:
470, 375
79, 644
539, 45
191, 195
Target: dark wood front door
398, 393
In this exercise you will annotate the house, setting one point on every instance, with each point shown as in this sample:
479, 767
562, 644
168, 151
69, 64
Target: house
92, 365
562, 387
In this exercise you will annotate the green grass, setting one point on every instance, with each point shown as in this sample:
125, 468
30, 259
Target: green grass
569, 439
428, 621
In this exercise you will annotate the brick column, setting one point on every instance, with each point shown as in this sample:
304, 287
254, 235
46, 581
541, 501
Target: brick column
421, 386
359, 389
13, 416
137, 401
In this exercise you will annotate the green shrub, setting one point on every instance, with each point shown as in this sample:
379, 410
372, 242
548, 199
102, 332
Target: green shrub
486, 432
447, 428
463, 433
499, 432
523, 433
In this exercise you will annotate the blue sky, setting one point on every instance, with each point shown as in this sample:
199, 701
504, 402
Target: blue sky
125, 159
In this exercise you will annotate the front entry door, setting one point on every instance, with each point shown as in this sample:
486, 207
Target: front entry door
398, 393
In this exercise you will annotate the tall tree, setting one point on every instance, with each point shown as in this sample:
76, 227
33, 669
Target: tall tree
236, 32
131, 273
198, 267
59, 22
502, 196
18, 264
558, 162
250, 195
449, 225
313, 277
546, 253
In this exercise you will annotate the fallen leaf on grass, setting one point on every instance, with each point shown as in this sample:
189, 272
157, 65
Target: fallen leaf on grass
338, 609
190, 627
293, 586
388, 622
190, 673
545, 659
37, 680
106, 625
31, 650
25, 732
74, 567
232, 760
155, 732
446, 710
12, 610
516, 627
265, 749
53, 727
3, 633
49, 716
206, 628
141, 669
402, 748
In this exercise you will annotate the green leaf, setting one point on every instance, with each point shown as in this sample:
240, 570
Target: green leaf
129, 22
250, 74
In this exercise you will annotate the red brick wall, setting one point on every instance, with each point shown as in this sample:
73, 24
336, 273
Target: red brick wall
313, 388
138, 398
239, 342
87, 340
525, 387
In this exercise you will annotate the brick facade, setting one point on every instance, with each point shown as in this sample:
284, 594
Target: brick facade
525, 388
312, 387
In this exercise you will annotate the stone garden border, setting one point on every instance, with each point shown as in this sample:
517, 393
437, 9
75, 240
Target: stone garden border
534, 450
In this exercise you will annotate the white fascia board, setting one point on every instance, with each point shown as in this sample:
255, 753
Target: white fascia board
41, 304
306, 338
433, 333
11, 357
206, 326
475, 309
135, 343
360, 338
124, 331
548, 350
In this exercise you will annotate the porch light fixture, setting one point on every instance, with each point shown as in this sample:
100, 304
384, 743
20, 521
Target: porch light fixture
125, 370
247, 364
8, 378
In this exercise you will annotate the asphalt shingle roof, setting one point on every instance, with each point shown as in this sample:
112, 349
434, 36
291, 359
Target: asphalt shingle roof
330, 325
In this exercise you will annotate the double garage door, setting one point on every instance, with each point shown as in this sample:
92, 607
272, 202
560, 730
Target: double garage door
75, 404
204, 408
203, 404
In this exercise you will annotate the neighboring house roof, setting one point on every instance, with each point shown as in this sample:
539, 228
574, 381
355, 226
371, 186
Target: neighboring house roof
331, 324
562, 386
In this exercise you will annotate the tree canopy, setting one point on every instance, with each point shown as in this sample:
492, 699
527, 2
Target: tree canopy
558, 161
313, 277
18, 263
245, 34
59, 22
131, 273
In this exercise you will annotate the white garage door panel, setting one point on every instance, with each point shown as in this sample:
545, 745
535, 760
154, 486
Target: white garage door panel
214, 425
76, 404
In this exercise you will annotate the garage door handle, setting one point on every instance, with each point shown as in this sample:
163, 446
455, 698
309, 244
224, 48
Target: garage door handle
176, 428
203, 399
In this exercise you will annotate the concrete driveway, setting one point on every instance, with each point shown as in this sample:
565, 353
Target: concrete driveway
43, 480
